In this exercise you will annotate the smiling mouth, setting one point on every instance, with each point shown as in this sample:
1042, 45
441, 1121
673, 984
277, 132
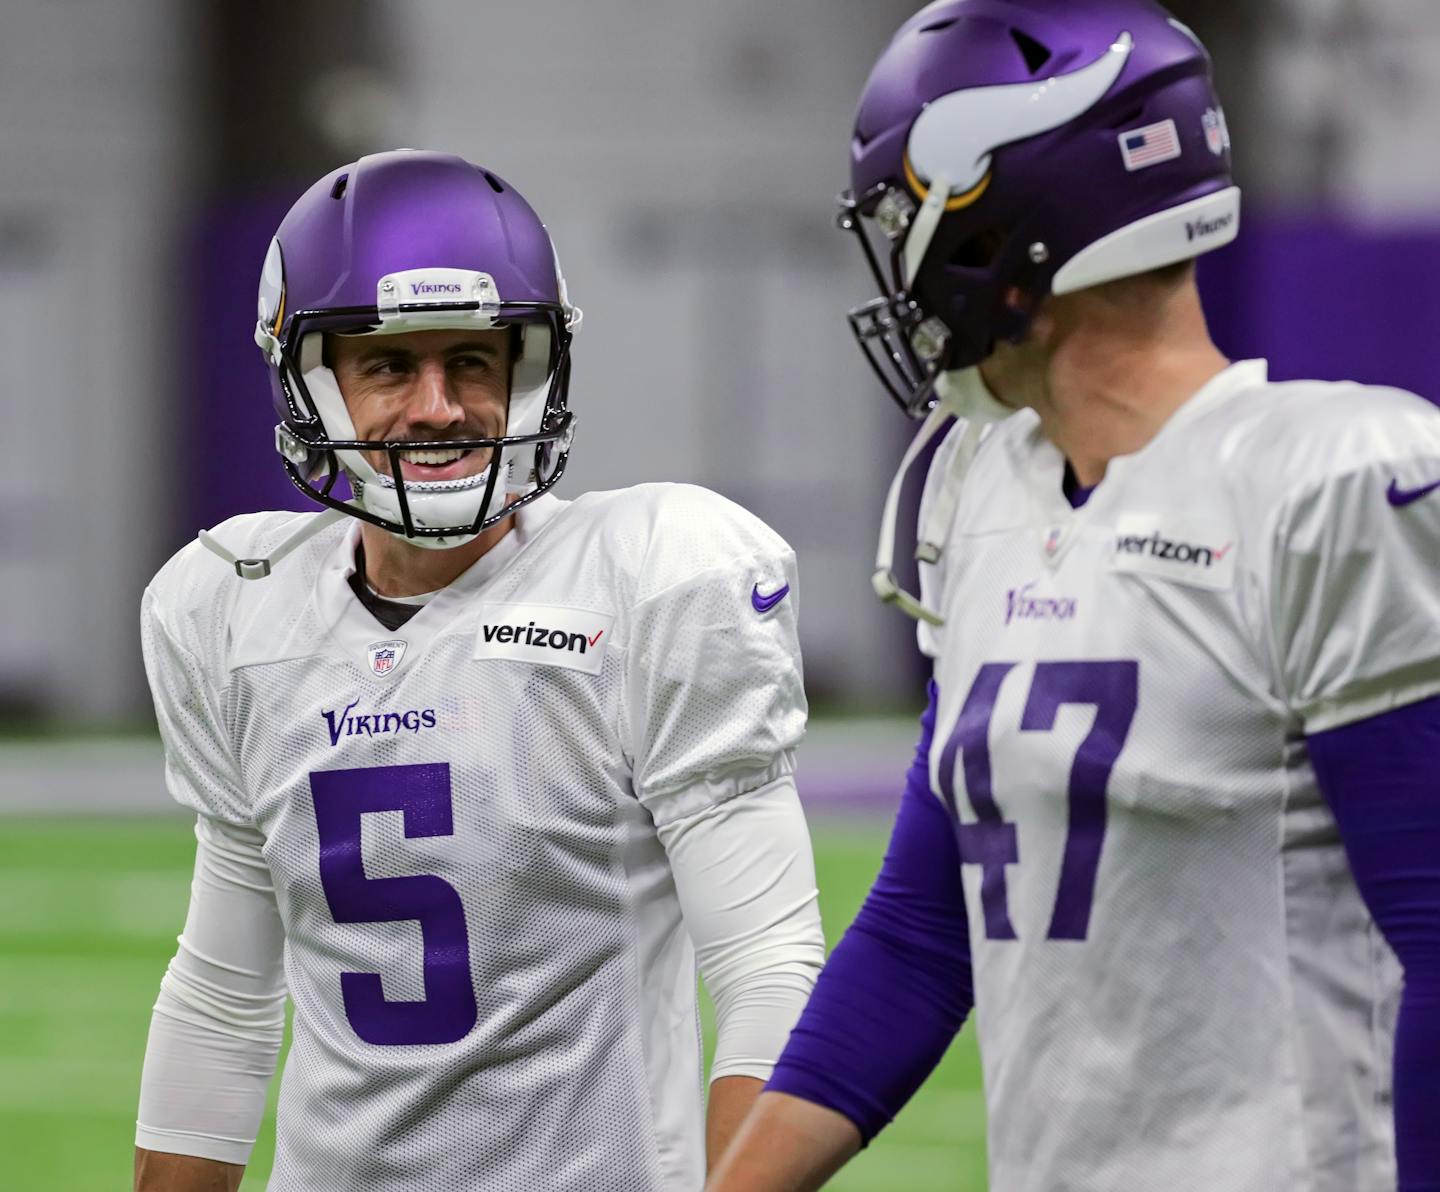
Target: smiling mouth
434, 458
432, 464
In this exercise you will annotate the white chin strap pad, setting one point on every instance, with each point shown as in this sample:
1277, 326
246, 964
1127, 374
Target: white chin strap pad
324, 392
1164, 238
529, 386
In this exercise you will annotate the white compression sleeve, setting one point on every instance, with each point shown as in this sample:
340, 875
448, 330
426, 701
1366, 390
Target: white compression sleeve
220, 1018
745, 876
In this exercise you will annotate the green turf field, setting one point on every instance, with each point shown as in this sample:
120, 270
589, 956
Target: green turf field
89, 910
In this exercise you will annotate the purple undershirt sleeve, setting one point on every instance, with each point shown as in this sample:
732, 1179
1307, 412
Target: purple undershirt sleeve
1381, 777
897, 987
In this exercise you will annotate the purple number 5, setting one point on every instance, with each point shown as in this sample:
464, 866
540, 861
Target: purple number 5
422, 795
1112, 688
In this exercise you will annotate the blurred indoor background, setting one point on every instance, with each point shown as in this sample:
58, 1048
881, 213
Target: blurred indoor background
685, 156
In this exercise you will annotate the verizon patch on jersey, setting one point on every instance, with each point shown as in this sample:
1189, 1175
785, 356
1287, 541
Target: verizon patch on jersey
545, 635
1184, 550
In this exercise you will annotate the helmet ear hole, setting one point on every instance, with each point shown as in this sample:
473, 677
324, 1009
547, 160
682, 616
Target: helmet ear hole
980, 250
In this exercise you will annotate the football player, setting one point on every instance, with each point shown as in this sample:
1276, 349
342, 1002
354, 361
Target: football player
490, 771
1173, 826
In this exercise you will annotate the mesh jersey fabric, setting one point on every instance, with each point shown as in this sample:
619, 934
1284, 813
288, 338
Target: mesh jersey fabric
1177, 985
475, 818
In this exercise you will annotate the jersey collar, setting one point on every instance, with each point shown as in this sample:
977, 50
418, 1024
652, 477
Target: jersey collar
1242, 375
1049, 508
351, 626
340, 620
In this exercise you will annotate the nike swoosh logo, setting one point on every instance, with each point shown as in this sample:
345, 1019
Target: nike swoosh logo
1400, 497
763, 604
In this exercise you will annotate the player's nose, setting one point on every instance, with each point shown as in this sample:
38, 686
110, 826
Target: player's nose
433, 402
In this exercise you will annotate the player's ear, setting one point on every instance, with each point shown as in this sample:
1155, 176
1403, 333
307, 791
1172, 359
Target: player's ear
1021, 301
1034, 308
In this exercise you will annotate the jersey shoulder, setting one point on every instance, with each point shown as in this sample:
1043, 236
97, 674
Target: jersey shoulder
1291, 438
661, 535
195, 594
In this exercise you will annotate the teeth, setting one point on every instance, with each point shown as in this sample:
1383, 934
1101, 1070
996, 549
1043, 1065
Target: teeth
431, 457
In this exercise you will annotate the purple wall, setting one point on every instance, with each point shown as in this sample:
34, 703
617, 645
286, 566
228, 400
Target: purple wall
229, 421
1326, 300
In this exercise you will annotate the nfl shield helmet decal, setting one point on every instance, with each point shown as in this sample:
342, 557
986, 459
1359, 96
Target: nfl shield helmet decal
385, 656
1217, 135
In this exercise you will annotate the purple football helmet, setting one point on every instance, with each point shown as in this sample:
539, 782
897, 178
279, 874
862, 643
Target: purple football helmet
409, 241
1044, 145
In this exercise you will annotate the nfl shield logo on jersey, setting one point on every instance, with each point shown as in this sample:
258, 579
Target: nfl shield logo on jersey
385, 656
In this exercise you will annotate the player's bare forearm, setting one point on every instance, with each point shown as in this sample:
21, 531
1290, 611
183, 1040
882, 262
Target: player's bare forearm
785, 1145
157, 1171
731, 1098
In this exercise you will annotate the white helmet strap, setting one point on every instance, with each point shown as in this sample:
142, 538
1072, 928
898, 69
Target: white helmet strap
962, 394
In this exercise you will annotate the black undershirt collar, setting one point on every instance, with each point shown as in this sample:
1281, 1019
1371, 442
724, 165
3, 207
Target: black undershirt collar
390, 613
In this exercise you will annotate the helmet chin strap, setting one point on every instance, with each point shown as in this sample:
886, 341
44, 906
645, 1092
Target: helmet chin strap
432, 503
260, 568
962, 394
886, 586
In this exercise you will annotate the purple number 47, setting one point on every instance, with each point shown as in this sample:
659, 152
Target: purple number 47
1112, 688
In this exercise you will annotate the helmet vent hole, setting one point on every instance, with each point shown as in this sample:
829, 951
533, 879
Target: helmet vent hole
939, 25
338, 189
1133, 116
494, 182
1035, 54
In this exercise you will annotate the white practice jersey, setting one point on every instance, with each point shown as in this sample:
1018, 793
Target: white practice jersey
1177, 985
492, 985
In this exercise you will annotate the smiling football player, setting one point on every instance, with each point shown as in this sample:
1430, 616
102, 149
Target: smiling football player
480, 774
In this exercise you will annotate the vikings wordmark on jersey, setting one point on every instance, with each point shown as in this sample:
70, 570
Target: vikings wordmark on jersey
1177, 985
492, 983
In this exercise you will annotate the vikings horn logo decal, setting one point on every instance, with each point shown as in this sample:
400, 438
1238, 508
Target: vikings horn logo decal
955, 135
271, 301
